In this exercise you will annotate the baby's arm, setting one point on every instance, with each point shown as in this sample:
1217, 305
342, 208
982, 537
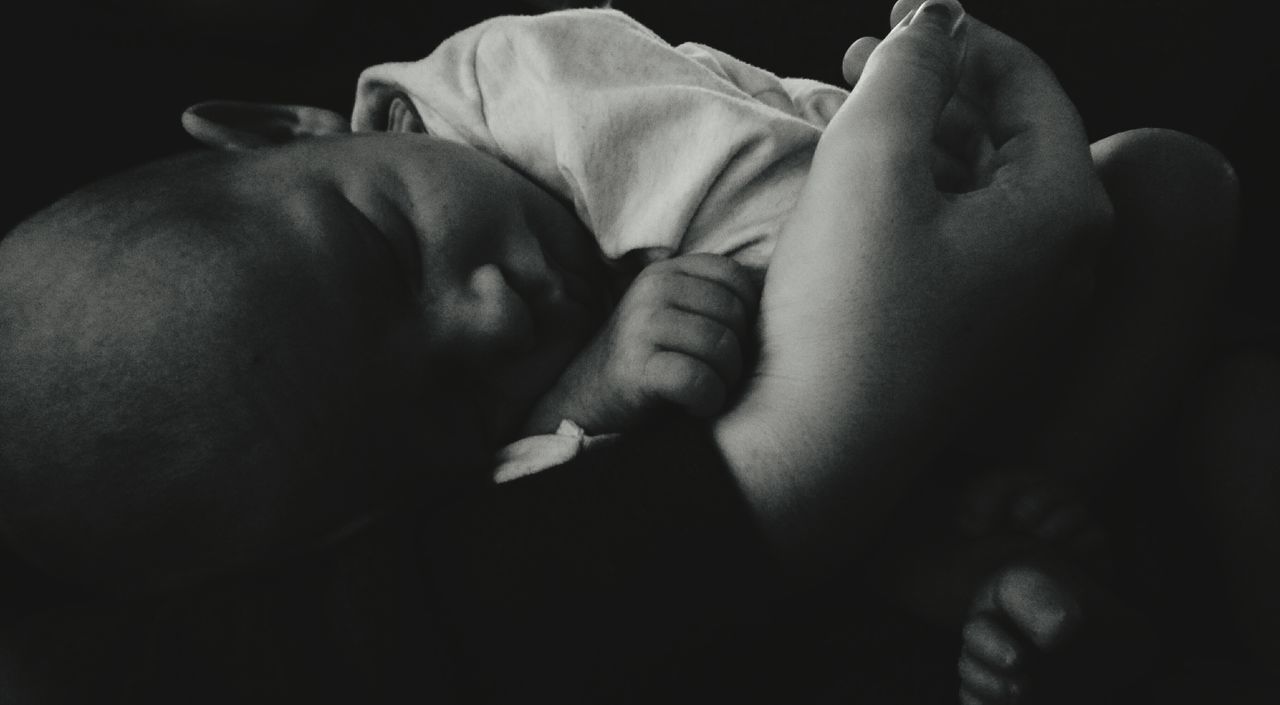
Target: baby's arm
677, 337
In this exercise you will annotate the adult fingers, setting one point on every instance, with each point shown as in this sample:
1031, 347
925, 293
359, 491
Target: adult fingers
1034, 125
902, 9
884, 131
855, 58
1041, 151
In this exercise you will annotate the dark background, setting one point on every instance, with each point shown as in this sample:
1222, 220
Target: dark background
94, 87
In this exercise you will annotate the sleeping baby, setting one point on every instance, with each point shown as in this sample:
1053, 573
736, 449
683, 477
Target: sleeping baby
663, 152
682, 163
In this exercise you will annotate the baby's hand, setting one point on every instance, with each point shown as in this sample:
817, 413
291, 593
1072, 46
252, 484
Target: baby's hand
677, 337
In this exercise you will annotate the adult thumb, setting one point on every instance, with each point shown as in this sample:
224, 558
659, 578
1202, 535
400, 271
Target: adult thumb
895, 107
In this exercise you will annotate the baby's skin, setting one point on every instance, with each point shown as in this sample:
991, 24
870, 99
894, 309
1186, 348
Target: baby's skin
677, 338
374, 262
641, 363
512, 290
680, 333
511, 305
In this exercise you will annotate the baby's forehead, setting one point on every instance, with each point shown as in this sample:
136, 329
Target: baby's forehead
237, 195
410, 171
323, 189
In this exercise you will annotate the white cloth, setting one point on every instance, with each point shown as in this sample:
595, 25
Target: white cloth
683, 147
536, 453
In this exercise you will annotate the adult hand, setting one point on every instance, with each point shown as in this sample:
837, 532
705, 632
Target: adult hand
947, 200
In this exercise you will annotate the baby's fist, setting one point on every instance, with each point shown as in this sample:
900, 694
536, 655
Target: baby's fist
677, 337
680, 333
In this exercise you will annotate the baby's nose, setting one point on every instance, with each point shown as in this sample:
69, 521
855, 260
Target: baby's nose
494, 317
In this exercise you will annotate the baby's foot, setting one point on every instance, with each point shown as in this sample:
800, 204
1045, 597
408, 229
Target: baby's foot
1031, 505
1035, 635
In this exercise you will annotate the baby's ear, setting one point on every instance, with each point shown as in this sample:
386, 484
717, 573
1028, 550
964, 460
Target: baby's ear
231, 124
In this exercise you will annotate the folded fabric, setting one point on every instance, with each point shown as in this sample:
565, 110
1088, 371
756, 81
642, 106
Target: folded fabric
685, 147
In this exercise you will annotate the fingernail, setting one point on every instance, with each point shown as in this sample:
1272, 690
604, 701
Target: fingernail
906, 20
947, 15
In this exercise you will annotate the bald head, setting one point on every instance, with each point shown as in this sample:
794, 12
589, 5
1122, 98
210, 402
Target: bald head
190, 376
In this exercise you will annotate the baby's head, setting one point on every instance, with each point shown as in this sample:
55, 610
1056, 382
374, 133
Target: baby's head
228, 351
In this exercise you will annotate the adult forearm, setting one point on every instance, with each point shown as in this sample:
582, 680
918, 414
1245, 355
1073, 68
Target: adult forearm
823, 456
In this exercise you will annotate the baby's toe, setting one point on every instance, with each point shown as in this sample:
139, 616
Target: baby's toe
1040, 607
989, 642
984, 685
993, 658
1062, 633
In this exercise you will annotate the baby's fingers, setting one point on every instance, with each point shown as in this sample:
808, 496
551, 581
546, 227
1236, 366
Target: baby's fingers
685, 381
705, 339
712, 302
699, 273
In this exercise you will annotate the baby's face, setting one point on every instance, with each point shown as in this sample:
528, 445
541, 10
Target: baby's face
505, 282
234, 334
